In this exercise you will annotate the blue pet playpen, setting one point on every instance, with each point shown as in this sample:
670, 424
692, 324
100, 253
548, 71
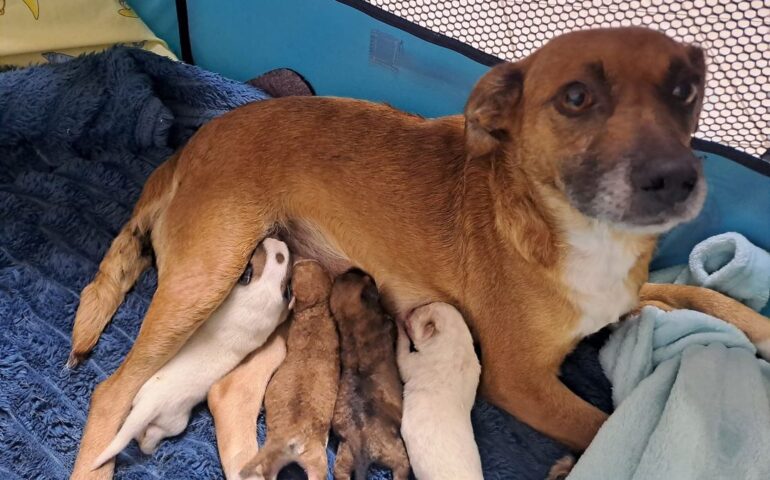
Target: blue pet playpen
79, 136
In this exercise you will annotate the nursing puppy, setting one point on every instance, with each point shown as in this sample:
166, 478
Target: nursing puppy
367, 415
299, 402
252, 311
236, 400
440, 380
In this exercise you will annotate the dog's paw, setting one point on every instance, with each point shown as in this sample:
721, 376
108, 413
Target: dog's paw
561, 468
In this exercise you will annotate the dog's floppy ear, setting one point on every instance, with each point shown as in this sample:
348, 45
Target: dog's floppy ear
491, 106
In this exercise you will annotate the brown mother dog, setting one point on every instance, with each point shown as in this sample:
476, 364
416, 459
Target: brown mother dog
536, 213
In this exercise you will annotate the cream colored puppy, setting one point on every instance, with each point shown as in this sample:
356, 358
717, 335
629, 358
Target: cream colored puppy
244, 321
440, 374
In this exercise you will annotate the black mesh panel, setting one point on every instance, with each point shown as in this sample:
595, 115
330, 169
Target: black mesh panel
734, 34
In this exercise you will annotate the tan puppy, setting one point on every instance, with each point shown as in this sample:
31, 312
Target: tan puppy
440, 380
536, 213
235, 402
299, 402
367, 415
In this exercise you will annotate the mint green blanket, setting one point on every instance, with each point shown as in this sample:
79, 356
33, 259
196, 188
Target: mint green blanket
692, 399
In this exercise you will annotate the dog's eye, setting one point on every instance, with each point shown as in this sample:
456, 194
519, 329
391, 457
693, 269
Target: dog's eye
685, 92
246, 275
576, 97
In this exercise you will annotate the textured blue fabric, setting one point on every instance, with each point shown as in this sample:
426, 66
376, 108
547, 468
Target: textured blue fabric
77, 141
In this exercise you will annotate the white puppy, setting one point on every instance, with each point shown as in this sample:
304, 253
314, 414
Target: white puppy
244, 321
440, 377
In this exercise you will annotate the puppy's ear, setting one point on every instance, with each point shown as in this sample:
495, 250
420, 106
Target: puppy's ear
491, 107
428, 329
370, 295
697, 59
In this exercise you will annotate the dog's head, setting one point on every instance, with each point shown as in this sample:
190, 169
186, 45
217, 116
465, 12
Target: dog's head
268, 268
310, 284
436, 323
603, 118
355, 301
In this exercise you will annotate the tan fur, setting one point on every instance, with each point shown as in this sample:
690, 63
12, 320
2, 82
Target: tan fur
235, 402
432, 213
669, 297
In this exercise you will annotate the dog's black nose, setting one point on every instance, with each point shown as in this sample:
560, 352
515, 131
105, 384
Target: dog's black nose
666, 183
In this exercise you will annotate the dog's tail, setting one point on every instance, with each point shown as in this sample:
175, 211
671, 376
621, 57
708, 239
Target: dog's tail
274, 456
362, 464
129, 255
137, 420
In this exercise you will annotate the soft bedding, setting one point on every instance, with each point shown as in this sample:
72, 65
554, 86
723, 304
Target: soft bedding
77, 141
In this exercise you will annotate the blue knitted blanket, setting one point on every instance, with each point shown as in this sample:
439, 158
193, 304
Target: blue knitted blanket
77, 141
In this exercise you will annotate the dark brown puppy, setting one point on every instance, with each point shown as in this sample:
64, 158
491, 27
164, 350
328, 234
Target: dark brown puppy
300, 397
367, 416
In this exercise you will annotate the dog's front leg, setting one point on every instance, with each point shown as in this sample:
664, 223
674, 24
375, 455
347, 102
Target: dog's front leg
520, 375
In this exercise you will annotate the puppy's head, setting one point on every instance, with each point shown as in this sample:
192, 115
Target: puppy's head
435, 324
310, 284
602, 120
355, 300
268, 268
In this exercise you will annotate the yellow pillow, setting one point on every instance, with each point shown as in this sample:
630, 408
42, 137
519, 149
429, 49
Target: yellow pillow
36, 31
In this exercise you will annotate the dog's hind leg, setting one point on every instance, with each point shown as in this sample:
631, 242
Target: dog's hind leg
398, 462
201, 254
163, 427
343, 464
314, 461
151, 438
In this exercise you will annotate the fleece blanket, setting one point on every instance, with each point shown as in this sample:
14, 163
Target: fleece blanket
692, 400
77, 141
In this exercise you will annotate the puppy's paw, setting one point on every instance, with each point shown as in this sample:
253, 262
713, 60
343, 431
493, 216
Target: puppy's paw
245, 474
252, 476
561, 468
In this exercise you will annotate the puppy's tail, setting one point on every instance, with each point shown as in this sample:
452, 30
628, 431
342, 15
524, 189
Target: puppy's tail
129, 255
135, 423
272, 458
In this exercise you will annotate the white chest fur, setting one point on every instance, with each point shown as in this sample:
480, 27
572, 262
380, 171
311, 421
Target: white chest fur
597, 268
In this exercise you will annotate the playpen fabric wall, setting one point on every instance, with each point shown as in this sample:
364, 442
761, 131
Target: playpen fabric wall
352, 48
